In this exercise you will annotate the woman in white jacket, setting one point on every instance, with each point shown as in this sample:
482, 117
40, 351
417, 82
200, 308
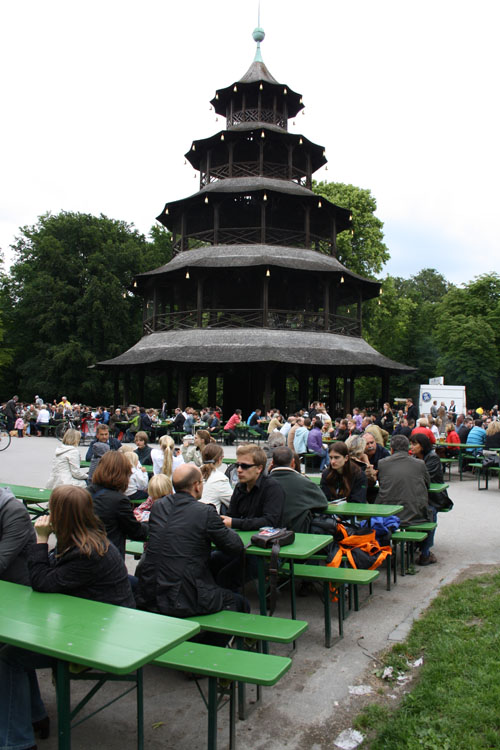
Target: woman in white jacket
216, 487
138, 480
66, 465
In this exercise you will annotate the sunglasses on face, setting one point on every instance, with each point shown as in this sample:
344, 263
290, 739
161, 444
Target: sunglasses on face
244, 466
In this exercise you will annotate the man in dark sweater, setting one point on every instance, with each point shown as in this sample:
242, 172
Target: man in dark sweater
302, 497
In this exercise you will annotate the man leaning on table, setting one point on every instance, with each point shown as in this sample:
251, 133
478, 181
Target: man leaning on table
257, 501
404, 480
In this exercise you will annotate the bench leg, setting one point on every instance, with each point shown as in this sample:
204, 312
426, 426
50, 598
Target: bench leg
212, 714
327, 614
63, 705
262, 585
140, 710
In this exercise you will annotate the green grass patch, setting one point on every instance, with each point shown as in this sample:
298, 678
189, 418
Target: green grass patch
455, 703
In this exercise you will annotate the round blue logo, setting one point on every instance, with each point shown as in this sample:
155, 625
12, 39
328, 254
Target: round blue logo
426, 396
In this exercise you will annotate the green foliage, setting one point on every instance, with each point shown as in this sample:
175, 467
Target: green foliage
468, 335
455, 702
70, 301
364, 251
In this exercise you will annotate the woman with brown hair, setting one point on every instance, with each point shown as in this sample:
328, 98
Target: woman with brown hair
216, 486
84, 564
192, 451
343, 479
109, 483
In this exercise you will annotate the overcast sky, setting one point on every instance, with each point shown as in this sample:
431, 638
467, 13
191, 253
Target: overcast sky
101, 99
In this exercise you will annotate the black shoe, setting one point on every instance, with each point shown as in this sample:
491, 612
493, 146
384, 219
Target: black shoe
429, 560
42, 728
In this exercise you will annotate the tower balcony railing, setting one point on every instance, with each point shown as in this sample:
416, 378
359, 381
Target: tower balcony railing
253, 114
283, 320
252, 236
273, 170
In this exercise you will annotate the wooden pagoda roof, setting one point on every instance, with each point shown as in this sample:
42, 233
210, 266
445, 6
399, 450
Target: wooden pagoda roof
197, 154
256, 75
231, 256
254, 345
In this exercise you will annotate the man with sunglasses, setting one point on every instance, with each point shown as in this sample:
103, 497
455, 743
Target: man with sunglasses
257, 501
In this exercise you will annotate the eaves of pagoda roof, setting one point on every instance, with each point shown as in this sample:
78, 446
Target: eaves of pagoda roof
255, 345
302, 260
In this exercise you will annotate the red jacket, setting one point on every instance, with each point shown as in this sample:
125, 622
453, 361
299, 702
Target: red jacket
425, 431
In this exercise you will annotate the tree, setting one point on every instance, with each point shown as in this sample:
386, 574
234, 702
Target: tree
468, 336
364, 251
71, 304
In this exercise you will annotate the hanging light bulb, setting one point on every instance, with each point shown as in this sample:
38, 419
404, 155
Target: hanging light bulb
381, 291
193, 147
135, 284
350, 217
235, 89
268, 272
166, 210
187, 274
265, 196
348, 310
380, 301
285, 91
261, 87
206, 199
300, 141
352, 232
319, 204
341, 279
262, 135
301, 100
222, 136
217, 95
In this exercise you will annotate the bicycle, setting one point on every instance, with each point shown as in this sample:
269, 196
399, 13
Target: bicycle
5, 437
86, 428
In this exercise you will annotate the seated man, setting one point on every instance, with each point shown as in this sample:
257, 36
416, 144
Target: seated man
424, 429
102, 436
173, 575
375, 453
476, 436
302, 497
404, 480
255, 423
257, 501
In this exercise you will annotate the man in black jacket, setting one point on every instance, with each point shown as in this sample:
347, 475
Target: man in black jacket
174, 575
257, 501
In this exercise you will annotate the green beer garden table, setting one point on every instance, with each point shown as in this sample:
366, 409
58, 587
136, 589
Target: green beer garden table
31, 497
304, 546
96, 635
363, 510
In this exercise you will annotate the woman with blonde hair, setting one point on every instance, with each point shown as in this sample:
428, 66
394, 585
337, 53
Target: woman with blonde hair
159, 486
66, 465
216, 487
138, 480
493, 436
356, 445
164, 461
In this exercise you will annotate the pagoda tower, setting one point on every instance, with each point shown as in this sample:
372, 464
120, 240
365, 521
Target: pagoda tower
254, 293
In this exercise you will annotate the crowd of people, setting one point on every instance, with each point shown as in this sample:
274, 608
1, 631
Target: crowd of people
186, 505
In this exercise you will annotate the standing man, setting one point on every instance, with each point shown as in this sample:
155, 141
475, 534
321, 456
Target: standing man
10, 412
174, 575
411, 410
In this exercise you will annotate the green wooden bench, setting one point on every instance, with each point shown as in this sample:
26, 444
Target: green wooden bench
447, 463
406, 541
134, 548
339, 577
258, 629
223, 666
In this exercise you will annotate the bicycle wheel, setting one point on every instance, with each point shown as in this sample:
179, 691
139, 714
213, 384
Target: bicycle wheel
5, 439
61, 429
